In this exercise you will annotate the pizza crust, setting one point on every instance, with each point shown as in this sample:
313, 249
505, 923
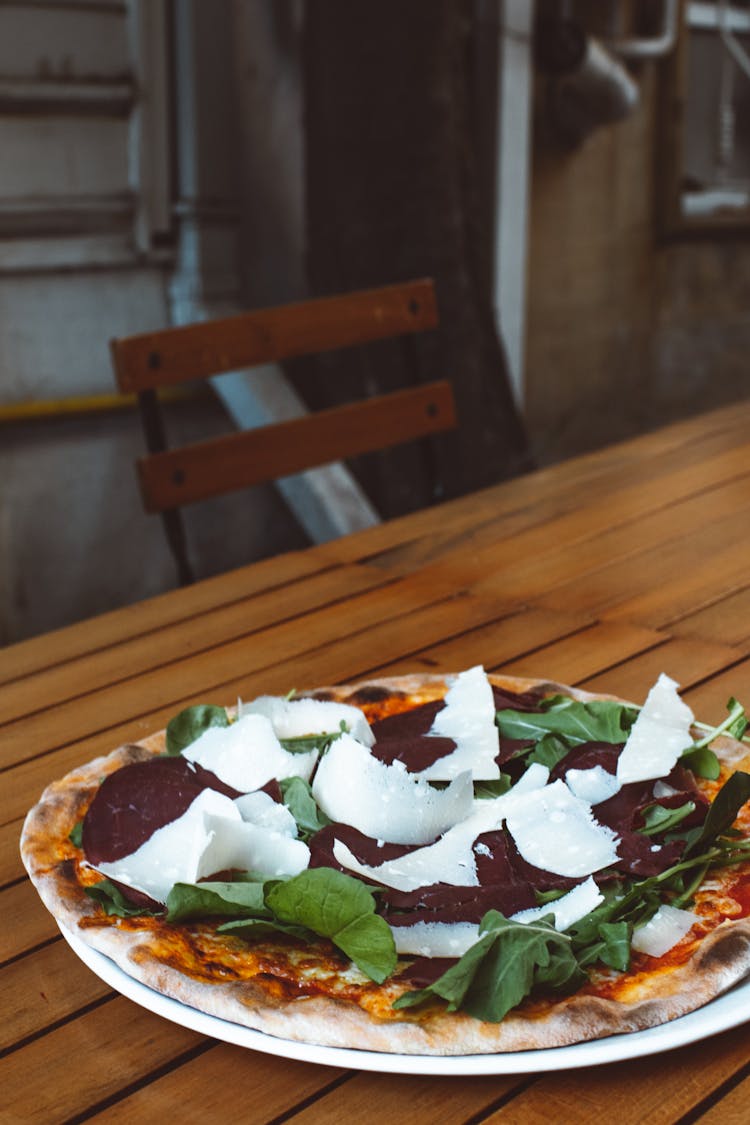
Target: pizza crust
720, 959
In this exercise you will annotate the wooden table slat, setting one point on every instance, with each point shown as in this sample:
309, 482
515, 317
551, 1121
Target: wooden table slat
135, 1043
645, 1089
237, 621
107, 629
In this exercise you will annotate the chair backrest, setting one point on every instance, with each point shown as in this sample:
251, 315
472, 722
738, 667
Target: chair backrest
170, 478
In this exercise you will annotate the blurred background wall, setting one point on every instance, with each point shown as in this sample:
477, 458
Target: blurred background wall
574, 175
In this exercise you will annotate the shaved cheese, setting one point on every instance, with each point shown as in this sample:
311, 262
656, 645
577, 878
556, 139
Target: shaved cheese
247, 754
469, 719
568, 909
662, 932
236, 845
209, 837
450, 859
658, 736
296, 718
386, 802
435, 939
593, 785
260, 809
173, 853
556, 831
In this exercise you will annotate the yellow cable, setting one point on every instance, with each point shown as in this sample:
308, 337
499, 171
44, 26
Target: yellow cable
34, 409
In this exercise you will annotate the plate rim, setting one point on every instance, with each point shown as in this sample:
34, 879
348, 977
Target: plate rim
723, 1013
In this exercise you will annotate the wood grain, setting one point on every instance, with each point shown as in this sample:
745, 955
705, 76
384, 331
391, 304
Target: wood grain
603, 572
233, 461
193, 351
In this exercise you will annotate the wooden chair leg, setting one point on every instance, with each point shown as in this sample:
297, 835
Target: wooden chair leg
175, 531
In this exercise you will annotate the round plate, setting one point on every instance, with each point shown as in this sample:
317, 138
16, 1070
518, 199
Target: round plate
726, 1012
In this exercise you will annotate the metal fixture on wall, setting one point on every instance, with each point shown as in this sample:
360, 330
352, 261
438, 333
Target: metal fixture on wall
587, 86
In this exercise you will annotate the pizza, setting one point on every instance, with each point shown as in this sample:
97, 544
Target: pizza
435, 865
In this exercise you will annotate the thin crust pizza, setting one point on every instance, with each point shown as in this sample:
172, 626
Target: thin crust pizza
421, 865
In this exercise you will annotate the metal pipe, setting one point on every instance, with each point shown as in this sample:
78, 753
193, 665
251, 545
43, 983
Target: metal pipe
651, 46
34, 410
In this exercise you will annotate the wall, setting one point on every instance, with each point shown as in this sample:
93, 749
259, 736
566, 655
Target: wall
624, 333
74, 539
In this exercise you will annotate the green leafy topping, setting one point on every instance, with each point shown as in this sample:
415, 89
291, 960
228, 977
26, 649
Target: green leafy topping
722, 812
304, 743
572, 721
734, 725
486, 790
317, 901
506, 964
659, 819
341, 908
76, 834
191, 723
112, 900
238, 898
699, 758
548, 751
250, 929
297, 796
702, 761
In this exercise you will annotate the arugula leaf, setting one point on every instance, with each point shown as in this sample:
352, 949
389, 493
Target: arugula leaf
734, 725
251, 928
341, 908
317, 901
722, 811
548, 751
508, 961
611, 946
297, 796
76, 834
186, 727
486, 790
218, 899
113, 902
304, 743
737, 719
659, 819
702, 761
600, 720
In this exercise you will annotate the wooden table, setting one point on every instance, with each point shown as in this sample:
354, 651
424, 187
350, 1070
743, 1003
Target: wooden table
602, 572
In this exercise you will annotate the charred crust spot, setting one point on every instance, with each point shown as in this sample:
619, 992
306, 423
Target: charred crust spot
68, 871
730, 949
133, 752
373, 694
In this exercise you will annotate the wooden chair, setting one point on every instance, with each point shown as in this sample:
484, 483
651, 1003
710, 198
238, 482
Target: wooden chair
170, 478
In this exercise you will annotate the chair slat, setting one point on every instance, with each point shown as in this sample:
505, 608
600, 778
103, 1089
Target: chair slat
194, 351
202, 470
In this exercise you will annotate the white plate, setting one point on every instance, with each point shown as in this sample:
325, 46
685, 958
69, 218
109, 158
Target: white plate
726, 1012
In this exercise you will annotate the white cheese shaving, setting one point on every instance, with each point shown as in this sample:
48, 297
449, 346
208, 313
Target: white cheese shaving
173, 854
568, 909
450, 859
435, 939
260, 809
208, 838
247, 754
662, 932
236, 845
556, 831
296, 718
469, 719
592, 785
658, 736
386, 802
